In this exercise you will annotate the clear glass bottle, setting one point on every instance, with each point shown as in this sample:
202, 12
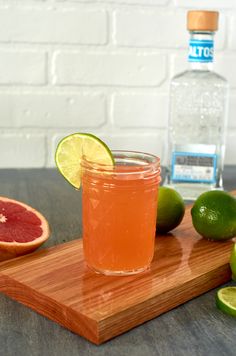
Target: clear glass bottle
197, 118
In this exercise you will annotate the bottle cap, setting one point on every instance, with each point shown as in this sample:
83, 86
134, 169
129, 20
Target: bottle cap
202, 20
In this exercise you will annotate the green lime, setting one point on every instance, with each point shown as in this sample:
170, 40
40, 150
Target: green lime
214, 215
70, 150
233, 261
170, 209
226, 300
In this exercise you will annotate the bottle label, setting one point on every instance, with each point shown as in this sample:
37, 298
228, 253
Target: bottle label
193, 167
201, 50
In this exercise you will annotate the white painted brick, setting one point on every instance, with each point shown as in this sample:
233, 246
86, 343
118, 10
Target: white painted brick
128, 69
140, 110
230, 147
141, 2
178, 63
53, 25
153, 143
22, 67
28, 29
128, 2
165, 29
145, 142
232, 111
224, 65
22, 150
149, 28
232, 37
53, 110
206, 4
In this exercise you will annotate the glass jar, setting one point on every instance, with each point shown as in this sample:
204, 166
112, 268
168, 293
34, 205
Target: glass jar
119, 212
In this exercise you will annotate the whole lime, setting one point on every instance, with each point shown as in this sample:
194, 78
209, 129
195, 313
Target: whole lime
170, 209
232, 261
214, 215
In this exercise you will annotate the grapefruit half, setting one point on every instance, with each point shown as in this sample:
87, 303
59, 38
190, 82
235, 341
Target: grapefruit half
22, 229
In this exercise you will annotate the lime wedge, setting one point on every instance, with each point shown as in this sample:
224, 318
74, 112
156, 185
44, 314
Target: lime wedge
233, 261
226, 300
70, 150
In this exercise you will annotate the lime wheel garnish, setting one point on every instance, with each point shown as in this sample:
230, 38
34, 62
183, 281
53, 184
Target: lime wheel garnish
72, 148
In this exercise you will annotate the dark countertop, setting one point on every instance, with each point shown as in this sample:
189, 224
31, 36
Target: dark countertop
194, 328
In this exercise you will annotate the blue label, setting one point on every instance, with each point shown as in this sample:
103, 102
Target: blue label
201, 51
193, 167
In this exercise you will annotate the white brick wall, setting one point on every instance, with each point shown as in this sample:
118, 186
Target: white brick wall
53, 25
53, 109
24, 149
18, 67
143, 110
101, 66
108, 69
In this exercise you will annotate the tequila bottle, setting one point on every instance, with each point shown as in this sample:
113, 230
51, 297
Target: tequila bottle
197, 118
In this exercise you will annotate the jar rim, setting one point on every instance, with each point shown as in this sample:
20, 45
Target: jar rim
136, 161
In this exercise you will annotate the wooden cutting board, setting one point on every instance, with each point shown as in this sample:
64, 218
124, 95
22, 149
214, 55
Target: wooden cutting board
56, 282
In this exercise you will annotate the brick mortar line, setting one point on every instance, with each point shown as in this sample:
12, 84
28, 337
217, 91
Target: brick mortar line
110, 48
84, 5
72, 5
84, 91
87, 90
115, 132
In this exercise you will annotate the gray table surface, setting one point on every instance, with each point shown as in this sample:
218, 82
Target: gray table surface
194, 328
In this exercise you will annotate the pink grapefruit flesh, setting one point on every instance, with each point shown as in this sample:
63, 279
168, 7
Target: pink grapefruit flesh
22, 228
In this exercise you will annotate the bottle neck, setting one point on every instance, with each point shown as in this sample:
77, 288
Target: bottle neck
201, 50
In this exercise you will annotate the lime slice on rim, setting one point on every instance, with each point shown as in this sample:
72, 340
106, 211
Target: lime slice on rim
70, 150
226, 300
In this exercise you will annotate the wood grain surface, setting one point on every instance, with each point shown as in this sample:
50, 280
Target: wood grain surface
56, 283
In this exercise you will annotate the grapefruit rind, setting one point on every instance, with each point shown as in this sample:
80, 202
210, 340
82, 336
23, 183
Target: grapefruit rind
14, 249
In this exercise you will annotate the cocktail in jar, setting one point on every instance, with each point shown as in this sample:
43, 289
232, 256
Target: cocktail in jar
119, 203
119, 212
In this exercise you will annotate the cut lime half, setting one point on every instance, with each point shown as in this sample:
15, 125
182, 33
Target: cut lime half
70, 150
226, 300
